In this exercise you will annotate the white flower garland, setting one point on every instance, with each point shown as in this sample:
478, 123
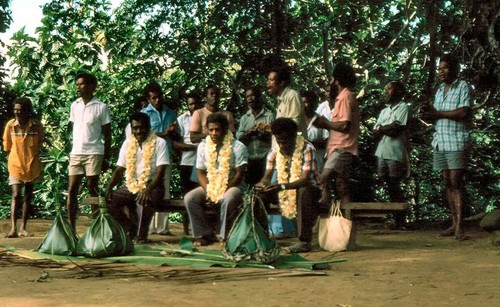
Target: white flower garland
288, 198
148, 150
218, 176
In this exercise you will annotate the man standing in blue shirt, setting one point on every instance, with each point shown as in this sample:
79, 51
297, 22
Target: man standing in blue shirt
392, 152
452, 112
162, 120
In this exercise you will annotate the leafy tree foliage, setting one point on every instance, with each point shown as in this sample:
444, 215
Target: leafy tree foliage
186, 45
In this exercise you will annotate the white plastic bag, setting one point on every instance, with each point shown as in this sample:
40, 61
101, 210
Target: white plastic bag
334, 231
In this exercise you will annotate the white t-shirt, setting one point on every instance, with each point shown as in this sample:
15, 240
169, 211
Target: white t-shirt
239, 156
184, 122
324, 110
88, 120
161, 157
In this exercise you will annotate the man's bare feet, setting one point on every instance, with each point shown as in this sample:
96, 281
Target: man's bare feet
23, 233
12, 234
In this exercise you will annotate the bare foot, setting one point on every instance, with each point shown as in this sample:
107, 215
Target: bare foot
23, 233
12, 234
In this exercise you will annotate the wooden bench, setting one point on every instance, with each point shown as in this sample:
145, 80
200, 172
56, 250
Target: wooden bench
355, 211
352, 211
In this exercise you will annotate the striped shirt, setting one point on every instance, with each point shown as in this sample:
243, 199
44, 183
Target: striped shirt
451, 135
308, 160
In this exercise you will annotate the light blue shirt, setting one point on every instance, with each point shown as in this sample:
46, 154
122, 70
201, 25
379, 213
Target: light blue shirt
160, 121
392, 148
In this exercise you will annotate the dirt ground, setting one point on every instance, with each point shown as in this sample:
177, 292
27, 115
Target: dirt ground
391, 268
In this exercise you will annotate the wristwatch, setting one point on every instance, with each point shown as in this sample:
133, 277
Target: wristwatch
282, 187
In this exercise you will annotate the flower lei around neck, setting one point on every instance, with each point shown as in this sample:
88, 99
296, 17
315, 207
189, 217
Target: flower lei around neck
288, 198
218, 176
148, 150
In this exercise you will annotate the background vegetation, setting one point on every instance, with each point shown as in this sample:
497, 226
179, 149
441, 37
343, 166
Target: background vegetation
187, 44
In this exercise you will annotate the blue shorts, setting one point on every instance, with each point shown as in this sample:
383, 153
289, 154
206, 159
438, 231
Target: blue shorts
445, 160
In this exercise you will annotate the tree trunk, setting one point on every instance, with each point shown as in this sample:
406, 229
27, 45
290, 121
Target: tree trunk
432, 16
278, 27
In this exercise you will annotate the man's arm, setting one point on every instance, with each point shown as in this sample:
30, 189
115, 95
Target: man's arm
303, 181
181, 146
145, 195
239, 175
7, 142
459, 115
171, 132
106, 131
341, 126
196, 137
392, 130
265, 181
202, 178
115, 179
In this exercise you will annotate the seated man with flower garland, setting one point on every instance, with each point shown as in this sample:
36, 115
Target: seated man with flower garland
221, 165
143, 159
294, 160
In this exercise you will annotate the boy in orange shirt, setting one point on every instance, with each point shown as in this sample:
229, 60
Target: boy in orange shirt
22, 140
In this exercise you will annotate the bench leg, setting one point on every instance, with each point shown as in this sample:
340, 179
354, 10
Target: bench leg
352, 238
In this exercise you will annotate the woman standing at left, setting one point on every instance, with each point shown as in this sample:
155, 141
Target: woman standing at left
22, 141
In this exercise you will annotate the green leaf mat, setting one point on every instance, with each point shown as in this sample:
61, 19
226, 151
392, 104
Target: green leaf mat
185, 256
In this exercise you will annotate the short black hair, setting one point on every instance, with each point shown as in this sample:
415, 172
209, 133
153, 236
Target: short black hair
399, 87
284, 126
312, 97
88, 78
283, 73
26, 105
218, 118
256, 91
138, 102
345, 75
453, 63
152, 87
195, 96
140, 117
211, 86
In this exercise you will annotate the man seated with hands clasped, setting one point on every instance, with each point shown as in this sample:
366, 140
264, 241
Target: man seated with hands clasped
294, 160
142, 159
221, 165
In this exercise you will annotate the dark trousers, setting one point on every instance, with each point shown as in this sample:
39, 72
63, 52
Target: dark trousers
136, 224
307, 209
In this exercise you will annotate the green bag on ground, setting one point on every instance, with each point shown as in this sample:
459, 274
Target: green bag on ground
61, 239
104, 238
249, 238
